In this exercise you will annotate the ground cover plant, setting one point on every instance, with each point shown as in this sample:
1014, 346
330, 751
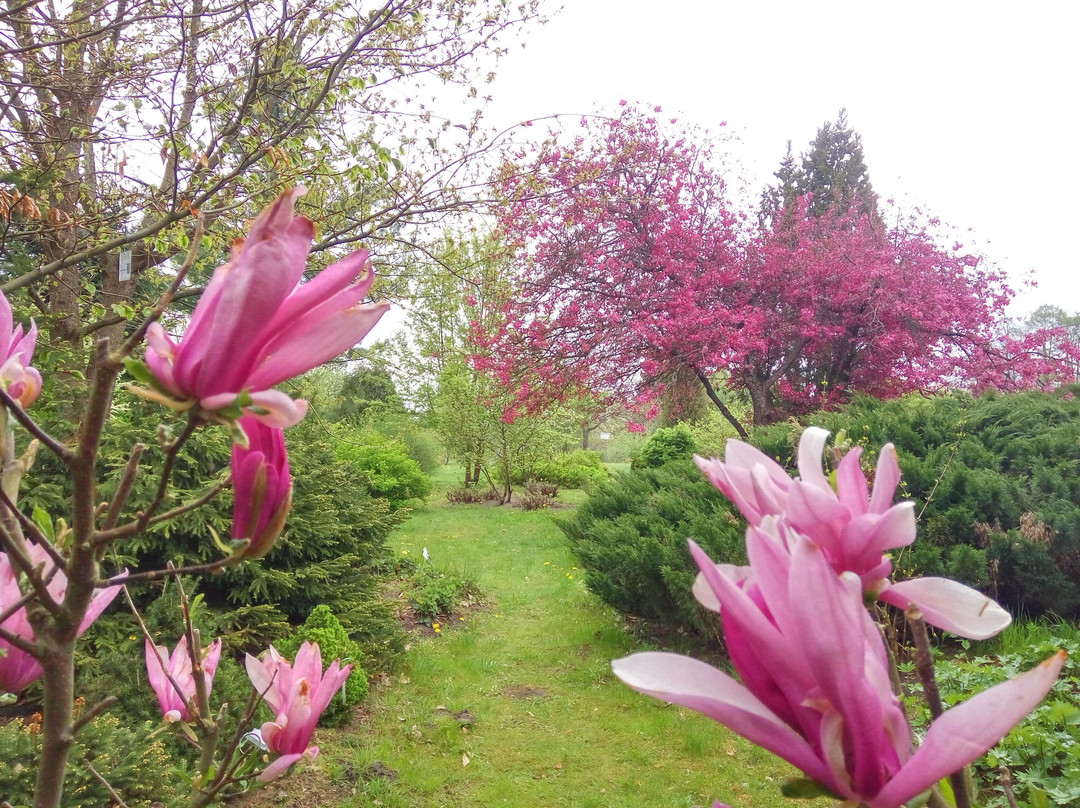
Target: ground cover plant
1042, 755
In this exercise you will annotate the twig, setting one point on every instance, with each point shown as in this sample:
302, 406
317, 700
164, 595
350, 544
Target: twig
172, 572
93, 713
166, 298
166, 470
924, 664
28, 423
1006, 785
31, 527
112, 793
127, 480
131, 528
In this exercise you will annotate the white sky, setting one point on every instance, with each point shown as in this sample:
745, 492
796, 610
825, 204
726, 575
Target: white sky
968, 109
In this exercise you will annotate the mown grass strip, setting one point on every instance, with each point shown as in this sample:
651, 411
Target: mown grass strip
516, 704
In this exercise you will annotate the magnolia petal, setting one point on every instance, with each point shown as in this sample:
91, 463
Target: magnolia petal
886, 479
704, 593
261, 677
99, 603
278, 767
950, 605
832, 640
7, 322
331, 683
267, 269
351, 272
704, 689
809, 506
851, 487
313, 342
737, 453
735, 484
811, 449
965, 732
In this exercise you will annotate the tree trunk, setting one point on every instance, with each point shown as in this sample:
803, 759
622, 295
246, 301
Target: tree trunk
711, 392
59, 681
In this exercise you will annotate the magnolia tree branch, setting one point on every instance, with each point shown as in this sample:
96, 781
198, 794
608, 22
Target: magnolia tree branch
104, 537
26, 422
924, 664
157, 575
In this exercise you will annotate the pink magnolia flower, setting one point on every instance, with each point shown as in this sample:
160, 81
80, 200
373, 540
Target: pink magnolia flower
853, 525
816, 688
19, 380
161, 667
18, 668
262, 487
297, 694
257, 325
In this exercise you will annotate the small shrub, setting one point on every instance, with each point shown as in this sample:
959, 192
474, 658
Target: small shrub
664, 446
432, 592
631, 537
467, 496
137, 766
323, 628
387, 467
538, 495
579, 469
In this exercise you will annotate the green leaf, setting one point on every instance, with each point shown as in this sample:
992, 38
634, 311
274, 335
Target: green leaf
945, 786
139, 370
1038, 797
43, 520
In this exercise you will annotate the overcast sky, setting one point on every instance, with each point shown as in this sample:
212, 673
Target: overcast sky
969, 110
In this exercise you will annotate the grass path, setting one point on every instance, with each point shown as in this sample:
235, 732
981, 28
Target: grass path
516, 705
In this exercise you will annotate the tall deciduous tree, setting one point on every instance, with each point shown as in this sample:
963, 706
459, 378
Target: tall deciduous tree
634, 268
118, 119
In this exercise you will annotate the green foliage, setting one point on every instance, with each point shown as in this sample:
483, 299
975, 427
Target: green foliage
631, 536
135, 764
334, 536
433, 592
323, 628
664, 445
1043, 751
995, 479
386, 467
833, 170
369, 387
578, 469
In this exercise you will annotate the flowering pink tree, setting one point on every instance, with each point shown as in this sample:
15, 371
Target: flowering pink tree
257, 324
633, 265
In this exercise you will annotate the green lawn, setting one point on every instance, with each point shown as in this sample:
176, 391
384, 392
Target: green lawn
516, 704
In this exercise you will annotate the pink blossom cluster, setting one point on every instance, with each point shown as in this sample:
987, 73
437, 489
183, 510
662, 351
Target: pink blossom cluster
815, 679
297, 693
18, 668
257, 325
